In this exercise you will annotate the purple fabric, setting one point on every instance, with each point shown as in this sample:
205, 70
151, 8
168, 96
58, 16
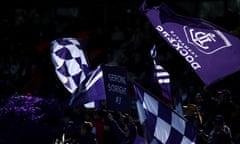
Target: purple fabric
104, 83
161, 125
212, 52
91, 89
139, 140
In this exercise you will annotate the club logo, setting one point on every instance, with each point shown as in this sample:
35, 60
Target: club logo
206, 41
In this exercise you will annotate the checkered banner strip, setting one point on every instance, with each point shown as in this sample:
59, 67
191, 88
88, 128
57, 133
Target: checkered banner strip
161, 125
70, 62
160, 74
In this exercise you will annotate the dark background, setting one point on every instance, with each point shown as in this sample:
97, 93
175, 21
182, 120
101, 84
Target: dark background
27, 25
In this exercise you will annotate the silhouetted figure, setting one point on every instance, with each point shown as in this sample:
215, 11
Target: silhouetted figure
86, 134
221, 133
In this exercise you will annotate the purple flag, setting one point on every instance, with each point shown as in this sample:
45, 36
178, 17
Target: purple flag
211, 51
161, 125
161, 76
104, 83
91, 89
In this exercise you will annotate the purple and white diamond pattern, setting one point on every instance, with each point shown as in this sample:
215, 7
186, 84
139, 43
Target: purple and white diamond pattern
70, 62
166, 125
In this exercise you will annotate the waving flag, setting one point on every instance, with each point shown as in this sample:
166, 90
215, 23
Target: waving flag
212, 52
161, 125
70, 62
71, 65
161, 76
88, 87
104, 83
91, 89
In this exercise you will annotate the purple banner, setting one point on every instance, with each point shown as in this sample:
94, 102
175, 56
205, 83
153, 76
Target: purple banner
115, 81
212, 52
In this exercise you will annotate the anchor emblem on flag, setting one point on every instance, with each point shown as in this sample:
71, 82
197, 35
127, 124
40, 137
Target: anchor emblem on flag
200, 38
207, 41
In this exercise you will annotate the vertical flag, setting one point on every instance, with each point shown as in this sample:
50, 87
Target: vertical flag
161, 76
212, 52
161, 125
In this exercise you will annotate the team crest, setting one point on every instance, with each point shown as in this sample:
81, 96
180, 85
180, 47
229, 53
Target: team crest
206, 41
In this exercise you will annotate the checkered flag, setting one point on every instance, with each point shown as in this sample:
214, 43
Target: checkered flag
161, 76
70, 62
91, 89
161, 125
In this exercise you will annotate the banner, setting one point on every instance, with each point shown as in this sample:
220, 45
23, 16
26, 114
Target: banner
160, 124
107, 83
212, 52
116, 86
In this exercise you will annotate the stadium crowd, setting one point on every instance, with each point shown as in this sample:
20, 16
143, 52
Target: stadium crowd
26, 69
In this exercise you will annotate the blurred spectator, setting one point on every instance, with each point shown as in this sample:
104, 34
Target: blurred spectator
126, 134
98, 124
193, 115
221, 133
201, 106
225, 105
86, 134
